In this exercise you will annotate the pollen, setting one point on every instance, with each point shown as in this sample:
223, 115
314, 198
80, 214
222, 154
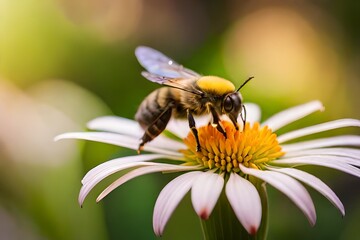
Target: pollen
253, 147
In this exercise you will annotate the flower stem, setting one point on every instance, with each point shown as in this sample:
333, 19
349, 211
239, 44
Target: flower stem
223, 223
263, 229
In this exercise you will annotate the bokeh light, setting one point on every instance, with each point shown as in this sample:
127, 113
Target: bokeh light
111, 20
287, 51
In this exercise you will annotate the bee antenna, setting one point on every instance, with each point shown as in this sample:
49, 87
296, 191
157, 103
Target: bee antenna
244, 83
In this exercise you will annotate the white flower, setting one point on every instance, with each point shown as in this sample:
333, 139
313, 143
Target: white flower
254, 153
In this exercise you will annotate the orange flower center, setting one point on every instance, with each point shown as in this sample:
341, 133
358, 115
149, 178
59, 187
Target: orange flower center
253, 147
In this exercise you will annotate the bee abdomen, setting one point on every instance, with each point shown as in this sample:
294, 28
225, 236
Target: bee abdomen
152, 107
159, 125
154, 113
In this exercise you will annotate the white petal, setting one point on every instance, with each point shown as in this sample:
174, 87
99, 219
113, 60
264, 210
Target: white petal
315, 183
320, 161
117, 125
319, 128
253, 113
169, 198
205, 193
131, 128
344, 140
344, 152
202, 120
117, 163
142, 171
118, 140
245, 201
289, 115
180, 127
290, 187
103, 137
340, 157
95, 179
165, 143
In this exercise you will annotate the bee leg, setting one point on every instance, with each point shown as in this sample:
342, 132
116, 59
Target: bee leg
216, 121
193, 129
156, 127
243, 117
141, 146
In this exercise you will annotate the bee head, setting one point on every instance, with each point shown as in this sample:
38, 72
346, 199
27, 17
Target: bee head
232, 105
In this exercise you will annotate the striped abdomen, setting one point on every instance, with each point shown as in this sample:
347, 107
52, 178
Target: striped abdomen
154, 113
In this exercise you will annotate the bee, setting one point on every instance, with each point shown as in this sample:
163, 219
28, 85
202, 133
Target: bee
185, 94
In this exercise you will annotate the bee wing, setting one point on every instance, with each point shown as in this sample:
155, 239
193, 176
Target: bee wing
157, 63
171, 82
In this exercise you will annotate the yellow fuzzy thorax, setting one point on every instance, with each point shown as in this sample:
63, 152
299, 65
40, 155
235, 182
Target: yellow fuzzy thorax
215, 85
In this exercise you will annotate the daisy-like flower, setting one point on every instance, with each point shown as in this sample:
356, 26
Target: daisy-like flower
239, 164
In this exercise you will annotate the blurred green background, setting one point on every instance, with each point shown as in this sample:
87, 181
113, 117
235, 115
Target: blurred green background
64, 62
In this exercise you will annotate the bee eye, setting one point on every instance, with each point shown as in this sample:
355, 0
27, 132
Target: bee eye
228, 104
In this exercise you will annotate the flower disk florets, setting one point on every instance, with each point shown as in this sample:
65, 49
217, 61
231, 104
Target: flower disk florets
253, 147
